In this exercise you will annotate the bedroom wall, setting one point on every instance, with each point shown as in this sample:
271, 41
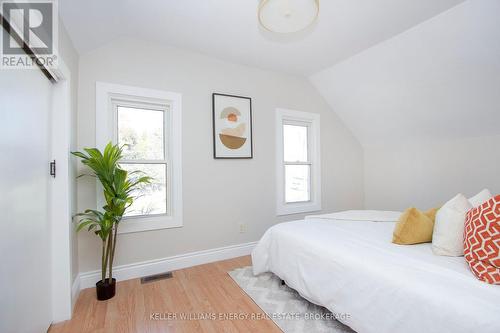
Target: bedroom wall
217, 194
426, 175
425, 106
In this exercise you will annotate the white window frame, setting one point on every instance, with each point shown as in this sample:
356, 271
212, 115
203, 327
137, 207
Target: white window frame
133, 103
108, 96
312, 121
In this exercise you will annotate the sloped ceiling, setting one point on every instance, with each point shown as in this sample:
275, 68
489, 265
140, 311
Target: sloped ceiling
228, 29
438, 80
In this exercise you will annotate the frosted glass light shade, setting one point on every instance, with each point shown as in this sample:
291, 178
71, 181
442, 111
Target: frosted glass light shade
287, 16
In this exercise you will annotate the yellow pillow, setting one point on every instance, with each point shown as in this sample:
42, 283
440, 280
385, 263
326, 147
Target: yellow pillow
414, 227
431, 213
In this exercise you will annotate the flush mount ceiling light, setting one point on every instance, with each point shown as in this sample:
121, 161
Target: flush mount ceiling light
287, 16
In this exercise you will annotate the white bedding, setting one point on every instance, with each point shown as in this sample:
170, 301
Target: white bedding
360, 215
351, 267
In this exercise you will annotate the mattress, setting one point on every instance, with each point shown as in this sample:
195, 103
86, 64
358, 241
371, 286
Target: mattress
351, 267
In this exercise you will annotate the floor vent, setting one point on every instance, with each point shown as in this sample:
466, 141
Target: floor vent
156, 277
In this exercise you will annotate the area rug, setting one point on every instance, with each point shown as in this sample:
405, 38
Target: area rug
291, 312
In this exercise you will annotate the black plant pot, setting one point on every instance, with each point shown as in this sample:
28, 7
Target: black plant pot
105, 290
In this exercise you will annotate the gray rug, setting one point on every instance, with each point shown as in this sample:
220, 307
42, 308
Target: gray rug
291, 312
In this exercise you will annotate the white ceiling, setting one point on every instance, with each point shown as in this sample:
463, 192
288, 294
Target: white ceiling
228, 29
437, 81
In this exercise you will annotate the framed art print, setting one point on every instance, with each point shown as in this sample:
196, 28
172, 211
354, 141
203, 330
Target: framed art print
232, 126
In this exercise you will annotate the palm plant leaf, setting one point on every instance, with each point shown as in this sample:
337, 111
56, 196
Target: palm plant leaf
118, 190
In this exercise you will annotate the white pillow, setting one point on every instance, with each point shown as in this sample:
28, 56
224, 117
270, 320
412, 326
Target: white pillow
448, 235
480, 198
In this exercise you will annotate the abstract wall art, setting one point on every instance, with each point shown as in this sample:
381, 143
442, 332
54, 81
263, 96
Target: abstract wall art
232, 126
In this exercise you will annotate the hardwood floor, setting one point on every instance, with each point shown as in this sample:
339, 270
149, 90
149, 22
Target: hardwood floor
201, 290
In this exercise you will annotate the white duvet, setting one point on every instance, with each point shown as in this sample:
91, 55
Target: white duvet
351, 267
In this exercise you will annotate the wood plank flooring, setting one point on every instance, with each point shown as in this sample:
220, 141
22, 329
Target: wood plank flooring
205, 290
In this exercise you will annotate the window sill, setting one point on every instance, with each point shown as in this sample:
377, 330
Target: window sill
140, 224
297, 208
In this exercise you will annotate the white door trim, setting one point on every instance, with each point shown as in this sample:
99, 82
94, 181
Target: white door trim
59, 210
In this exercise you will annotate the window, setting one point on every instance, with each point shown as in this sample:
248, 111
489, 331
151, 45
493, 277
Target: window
298, 162
147, 123
141, 131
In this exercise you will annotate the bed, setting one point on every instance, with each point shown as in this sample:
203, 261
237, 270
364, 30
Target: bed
347, 263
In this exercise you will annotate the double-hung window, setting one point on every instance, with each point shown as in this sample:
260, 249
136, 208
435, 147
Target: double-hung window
147, 124
141, 129
298, 162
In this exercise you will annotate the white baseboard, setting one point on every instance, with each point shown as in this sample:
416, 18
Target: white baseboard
150, 267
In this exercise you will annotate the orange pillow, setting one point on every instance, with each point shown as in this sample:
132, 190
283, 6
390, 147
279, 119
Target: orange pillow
482, 241
414, 227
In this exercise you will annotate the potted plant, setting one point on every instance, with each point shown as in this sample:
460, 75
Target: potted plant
118, 191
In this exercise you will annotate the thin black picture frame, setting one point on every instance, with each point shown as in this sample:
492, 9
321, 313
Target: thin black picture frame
214, 134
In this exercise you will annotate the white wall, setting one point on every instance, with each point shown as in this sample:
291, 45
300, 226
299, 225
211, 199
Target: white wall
217, 194
426, 175
420, 102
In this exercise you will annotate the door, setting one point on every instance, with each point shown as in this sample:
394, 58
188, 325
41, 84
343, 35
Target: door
25, 267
